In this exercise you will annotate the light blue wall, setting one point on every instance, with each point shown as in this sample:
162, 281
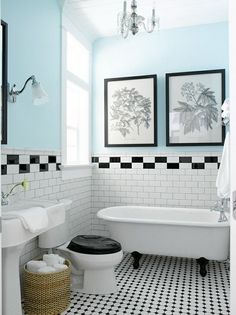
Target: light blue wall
184, 49
34, 48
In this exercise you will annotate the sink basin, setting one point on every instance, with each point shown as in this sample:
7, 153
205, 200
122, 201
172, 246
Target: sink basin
26, 204
14, 237
14, 232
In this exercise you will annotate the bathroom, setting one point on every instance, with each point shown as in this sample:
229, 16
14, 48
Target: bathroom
97, 171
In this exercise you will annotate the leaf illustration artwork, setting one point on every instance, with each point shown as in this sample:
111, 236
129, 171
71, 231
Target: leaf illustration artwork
199, 108
129, 111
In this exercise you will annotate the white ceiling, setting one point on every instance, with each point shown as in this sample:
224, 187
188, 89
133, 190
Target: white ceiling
97, 18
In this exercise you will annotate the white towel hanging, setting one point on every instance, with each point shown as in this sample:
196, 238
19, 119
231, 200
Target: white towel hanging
223, 176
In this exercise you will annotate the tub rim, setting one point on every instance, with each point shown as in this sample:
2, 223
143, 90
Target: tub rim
101, 214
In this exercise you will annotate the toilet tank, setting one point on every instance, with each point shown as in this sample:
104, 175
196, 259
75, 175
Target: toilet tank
59, 234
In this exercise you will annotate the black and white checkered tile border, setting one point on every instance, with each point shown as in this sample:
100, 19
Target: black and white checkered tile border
151, 162
36, 163
51, 162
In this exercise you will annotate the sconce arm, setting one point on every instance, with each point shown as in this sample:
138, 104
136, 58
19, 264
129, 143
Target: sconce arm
26, 82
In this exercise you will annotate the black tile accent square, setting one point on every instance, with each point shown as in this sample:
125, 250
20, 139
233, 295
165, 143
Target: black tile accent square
24, 168
125, 165
172, 165
211, 159
58, 166
199, 166
43, 167
12, 159
4, 169
160, 159
34, 159
104, 165
95, 159
137, 159
52, 159
148, 165
185, 159
218, 165
114, 159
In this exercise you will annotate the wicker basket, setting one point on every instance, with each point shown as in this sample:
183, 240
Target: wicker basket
47, 294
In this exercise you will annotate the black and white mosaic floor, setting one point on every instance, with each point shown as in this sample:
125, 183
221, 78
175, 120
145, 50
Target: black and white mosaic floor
163, 286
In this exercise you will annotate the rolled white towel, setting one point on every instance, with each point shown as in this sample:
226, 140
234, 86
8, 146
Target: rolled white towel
60, 267
50, 259
35, 265
47, 269
61, 260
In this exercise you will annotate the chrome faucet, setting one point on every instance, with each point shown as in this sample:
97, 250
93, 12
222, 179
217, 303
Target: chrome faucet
221, 206
5, 196
4, 199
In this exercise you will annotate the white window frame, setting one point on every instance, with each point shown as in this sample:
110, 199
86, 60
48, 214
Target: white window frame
78, 170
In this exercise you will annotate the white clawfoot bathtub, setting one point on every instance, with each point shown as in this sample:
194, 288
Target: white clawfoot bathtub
181, 232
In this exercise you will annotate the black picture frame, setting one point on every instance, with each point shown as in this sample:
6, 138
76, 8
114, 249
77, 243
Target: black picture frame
144, 81
4, 29
213, 91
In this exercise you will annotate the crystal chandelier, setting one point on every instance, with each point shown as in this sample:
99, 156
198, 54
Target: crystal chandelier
133, 22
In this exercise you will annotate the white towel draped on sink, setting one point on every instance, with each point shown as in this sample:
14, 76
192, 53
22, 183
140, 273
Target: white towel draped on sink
33, 219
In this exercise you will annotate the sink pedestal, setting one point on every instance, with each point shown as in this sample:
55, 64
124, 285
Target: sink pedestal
14, 238
11, 280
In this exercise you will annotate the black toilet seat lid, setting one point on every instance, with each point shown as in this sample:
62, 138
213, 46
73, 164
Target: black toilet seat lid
94, 245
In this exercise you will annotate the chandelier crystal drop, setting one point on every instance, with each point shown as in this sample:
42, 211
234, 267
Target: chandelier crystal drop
132, 22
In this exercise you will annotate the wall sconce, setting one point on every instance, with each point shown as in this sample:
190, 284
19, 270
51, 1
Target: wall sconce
39, 95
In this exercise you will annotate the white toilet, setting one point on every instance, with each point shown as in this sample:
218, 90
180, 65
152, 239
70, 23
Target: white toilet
93, 258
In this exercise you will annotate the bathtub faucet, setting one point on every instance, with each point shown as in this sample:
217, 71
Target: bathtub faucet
221, 205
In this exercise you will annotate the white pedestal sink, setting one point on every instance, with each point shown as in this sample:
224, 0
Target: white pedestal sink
14, 237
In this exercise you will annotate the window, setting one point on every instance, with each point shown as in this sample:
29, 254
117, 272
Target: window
78, 66
76, 54
77, 124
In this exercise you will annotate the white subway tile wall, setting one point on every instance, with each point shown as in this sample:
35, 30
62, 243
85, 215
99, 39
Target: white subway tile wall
45, 182
166, 179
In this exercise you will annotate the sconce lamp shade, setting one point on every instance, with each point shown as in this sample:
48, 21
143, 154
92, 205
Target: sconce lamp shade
40, 97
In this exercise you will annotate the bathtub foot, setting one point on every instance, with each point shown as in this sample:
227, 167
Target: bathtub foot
203, 262
136, 256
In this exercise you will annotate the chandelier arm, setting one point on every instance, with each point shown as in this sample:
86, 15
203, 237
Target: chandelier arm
125, 32
128, 22
123, 23
125, 35
147, 29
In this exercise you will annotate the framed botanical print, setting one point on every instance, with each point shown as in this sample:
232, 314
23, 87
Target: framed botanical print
193, 108
131, 111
